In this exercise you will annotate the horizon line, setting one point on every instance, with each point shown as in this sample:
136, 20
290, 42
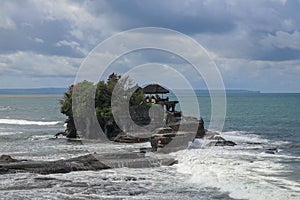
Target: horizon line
197, 89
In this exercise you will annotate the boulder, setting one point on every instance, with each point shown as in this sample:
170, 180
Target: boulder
201, 130
170, 142
7, 159
224, 143
161, 136
190, 124
130, 139
271, 150
162, 130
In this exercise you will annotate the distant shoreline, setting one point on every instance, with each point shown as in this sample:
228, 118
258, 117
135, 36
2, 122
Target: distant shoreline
42, 92
29, 95
34, 91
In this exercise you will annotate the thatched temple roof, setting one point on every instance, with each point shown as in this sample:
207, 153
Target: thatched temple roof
155, 89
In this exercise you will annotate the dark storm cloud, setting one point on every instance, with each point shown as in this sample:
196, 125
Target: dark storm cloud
277, 54
225, 19
49, 38
185, 16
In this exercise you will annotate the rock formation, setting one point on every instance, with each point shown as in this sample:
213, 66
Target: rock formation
82, 163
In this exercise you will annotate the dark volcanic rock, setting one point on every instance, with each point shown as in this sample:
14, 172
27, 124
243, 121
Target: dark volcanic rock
189, 125
7, 159
165, 140
271, 150
224, 143
201, 130
130, 139
217, 140
86, 162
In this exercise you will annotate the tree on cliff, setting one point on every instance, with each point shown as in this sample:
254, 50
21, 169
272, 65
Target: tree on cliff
102, 101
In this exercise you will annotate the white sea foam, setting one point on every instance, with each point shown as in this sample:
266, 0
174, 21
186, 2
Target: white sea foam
26, 122
41, 137
243, 137
5, 108
240, 171
9, 133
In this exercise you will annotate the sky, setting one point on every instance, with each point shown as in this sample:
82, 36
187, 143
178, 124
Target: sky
255, 44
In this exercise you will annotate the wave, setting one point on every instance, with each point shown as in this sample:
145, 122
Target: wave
244, 137
8, 133
27, 122
5, 108
238, 171
241, 174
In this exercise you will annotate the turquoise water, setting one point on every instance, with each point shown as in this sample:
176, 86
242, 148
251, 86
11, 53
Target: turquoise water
272, 116
255, 122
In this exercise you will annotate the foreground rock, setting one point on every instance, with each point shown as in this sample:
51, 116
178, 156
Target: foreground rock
220, 141
7, 159
165, 140
127, 138
83, 163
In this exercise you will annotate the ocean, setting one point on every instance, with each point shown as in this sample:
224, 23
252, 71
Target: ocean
255, 121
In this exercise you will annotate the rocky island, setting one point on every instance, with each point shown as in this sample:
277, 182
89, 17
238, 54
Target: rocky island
164, 132
163, 128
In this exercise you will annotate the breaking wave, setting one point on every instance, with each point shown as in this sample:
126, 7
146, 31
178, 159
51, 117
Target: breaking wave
5, 108
26, 122
243, 172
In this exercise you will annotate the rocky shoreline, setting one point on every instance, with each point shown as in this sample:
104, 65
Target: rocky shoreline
82, 163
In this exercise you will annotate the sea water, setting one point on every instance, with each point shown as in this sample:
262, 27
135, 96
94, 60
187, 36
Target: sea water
256, 122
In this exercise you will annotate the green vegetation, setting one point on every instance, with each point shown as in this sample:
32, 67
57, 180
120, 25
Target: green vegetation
99, 95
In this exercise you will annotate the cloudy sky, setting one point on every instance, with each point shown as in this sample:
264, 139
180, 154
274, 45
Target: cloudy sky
255, 44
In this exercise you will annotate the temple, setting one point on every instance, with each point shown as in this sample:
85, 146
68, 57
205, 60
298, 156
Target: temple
152, 94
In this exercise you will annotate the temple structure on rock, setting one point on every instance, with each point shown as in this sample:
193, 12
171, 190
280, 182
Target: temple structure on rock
152, 94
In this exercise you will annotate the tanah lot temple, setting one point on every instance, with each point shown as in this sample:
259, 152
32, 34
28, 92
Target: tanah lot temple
167, 124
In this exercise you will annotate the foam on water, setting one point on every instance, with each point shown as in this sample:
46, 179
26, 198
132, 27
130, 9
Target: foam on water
243, 137
27, 122
243, 172
123, 183
9, 133
5, 108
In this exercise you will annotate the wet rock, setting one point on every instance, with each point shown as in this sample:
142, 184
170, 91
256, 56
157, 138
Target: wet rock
169, 142
224, 143
217, 140
130, 139
130, 178
45, 179
60, 133
162, 130
161, 137
145, 150
271, 150
86, 162
189, 125
201, 130
7, 159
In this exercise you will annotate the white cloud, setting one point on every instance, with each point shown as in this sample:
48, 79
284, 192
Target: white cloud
267, 76
71, 44
288, 24
31, 64
38, 40
6, 22
78, 15
282, 2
